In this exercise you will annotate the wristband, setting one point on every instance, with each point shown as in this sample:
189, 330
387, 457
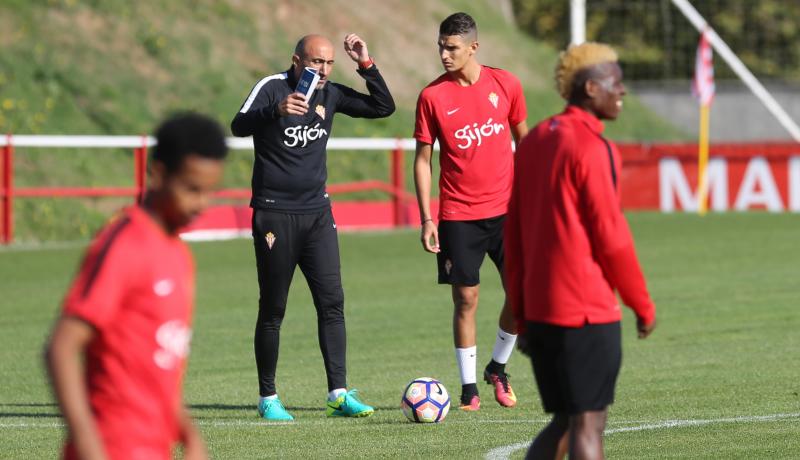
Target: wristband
366, 64
427, 220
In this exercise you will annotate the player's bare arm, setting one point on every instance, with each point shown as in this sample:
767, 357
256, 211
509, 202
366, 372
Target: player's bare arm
63, 354
356, 48
423, 172
519, 131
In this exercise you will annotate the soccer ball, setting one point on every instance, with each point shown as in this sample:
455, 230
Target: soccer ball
425, 400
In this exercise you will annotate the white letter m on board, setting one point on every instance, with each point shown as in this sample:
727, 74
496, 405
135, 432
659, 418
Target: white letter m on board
672, 184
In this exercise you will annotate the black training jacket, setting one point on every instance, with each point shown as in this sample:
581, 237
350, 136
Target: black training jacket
289, 172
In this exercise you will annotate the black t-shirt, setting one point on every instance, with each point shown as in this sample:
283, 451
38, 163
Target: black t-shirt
290, 170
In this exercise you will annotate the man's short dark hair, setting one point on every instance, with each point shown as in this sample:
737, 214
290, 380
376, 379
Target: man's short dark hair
300, 47
458, 24
188, 133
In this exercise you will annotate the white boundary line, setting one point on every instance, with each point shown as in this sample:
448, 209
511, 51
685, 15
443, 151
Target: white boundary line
505, 451
500, 452
244, 423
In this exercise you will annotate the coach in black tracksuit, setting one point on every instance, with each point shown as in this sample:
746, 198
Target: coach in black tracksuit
292, 220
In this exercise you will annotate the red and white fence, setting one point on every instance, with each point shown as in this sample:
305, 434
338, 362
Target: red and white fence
742, 177
220, 221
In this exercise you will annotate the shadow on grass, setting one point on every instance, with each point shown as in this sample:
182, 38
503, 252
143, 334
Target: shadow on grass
51, 404
27, 415
249, 407
397, 421
221, 407
6, 413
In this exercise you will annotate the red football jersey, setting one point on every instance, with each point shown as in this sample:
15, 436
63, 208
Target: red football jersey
136, 288
568, 245
472, 124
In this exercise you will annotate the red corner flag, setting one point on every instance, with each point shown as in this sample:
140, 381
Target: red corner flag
703, 90
703, 84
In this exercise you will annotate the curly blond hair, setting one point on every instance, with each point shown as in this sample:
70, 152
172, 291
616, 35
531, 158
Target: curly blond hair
577, 58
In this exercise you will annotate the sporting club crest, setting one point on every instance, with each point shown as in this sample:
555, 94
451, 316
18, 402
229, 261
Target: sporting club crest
494, 99
448, 266
320, 109
270, 239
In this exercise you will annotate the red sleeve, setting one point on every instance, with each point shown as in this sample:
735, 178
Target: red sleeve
98, 289
611, 239
519, 111
513, 269
426, 129
622, 269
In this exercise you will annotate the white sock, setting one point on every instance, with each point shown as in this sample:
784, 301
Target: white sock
267, 398
503, 346
467, 359
335, 393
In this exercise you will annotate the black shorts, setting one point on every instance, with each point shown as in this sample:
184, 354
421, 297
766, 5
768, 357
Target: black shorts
463, 245
576, 368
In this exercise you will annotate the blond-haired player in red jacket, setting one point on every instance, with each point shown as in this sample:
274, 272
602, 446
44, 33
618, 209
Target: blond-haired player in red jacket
568, 249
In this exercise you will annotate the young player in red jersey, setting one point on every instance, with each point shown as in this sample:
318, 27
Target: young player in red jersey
568, 247
117, 355
473, 111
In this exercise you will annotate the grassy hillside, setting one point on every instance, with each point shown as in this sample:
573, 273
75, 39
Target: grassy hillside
117, 67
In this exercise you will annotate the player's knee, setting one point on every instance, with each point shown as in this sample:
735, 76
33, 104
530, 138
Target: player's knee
465, 300
588, 424
465, 310
270, 315
268, 325
331, 306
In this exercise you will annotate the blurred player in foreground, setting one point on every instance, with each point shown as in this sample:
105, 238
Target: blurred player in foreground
568, 247
473, 111
292, 219
117, 354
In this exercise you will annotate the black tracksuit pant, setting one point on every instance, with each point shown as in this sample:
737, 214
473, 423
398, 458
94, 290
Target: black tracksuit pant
283, 241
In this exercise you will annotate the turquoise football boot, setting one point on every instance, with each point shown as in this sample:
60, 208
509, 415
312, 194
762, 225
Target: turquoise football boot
273, 410
348, 405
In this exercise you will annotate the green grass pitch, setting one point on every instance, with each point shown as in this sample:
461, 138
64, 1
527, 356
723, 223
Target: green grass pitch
719, 378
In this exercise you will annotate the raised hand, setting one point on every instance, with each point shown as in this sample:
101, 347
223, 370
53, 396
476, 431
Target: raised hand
356, 48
